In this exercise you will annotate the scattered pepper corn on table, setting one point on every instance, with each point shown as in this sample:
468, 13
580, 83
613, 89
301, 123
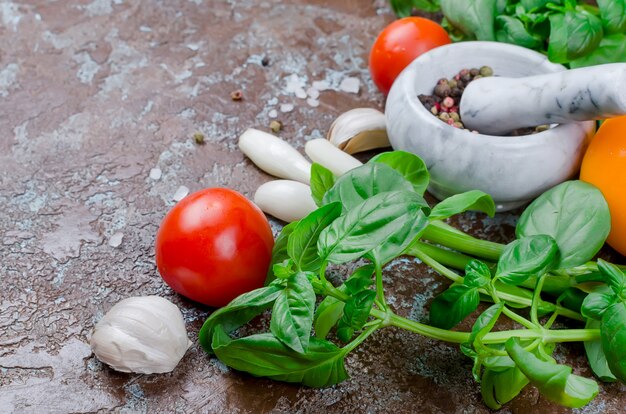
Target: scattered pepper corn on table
113, 110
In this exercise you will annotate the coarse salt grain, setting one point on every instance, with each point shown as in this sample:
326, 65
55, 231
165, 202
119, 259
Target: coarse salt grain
321, 85
273, 113
180, 193
116, 239
313, 102
155, 173
300, 93
313, 93
350, 85
286, 108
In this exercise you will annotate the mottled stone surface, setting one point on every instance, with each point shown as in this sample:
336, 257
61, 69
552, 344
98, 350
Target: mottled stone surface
99, 101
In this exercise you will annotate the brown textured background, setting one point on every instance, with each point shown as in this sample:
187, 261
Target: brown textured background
93, 94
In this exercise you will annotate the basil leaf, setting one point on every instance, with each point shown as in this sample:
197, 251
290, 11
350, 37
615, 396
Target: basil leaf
575, 214
477, 274
595, 355
555, 382
485, 322
263, 355
302, 244
498, 388
453, 305
531, 5
573, 34
279, 251
284, 270
322, 180
613, 15
412, 168
330, 310
512, 30
377, 219
614, 277
366, 181
571, 298
613, 336
238, 312
471, 200
612, 49
355, 314
474, 18
597, 302
292, 315
404, 8
526, 257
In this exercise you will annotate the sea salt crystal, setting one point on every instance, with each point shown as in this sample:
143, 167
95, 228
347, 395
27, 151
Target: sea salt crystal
321, 85
293, 83
273, 113
313, 93
155, 173
350, 85
313, 102
286, 108
300, 93
180, 193
116, 239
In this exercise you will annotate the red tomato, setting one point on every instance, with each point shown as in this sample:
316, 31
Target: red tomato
214, 245
399, 44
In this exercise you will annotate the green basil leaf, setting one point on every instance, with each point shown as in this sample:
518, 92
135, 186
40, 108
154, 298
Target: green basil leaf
453, 305
597, 302
302, 244
612, 49
357, 309
322, 180
474, 18
263, 355
330, 310
238, 312
412, 168
498, 363
571, 298
573, 34
360, 280
292, 315
477, 274
526, 257
328, 313
404, 8
614, 277
613, 15
498, 388
485, 322
284, 270
512, 30
613, 336
366, 181
595, 355
471, 200
575, 214
555, 382
531, 5
366, 226
279, 251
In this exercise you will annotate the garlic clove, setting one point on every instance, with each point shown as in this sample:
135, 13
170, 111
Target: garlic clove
359, 129
284, 199
274, 156
144, 334
323, 152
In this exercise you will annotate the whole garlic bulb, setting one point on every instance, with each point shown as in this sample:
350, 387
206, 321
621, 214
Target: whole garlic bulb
144, 334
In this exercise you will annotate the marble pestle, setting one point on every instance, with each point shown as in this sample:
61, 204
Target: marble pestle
498, 105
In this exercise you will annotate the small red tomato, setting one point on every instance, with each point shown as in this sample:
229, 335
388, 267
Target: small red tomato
399, 44
213, 246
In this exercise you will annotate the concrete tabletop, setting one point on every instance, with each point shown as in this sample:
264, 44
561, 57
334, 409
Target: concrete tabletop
96, 94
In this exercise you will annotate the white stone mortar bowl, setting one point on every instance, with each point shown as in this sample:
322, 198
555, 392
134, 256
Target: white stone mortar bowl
513, 170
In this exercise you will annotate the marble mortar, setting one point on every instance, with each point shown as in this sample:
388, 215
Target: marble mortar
513, 170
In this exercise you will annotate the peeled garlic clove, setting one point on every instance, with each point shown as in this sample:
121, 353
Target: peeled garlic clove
358, 130
284, 199
331, 157
144, 334
274, 156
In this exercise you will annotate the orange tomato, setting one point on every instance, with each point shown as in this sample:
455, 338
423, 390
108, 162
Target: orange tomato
604, 166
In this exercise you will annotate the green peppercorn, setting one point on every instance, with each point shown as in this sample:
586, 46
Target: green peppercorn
486, 71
